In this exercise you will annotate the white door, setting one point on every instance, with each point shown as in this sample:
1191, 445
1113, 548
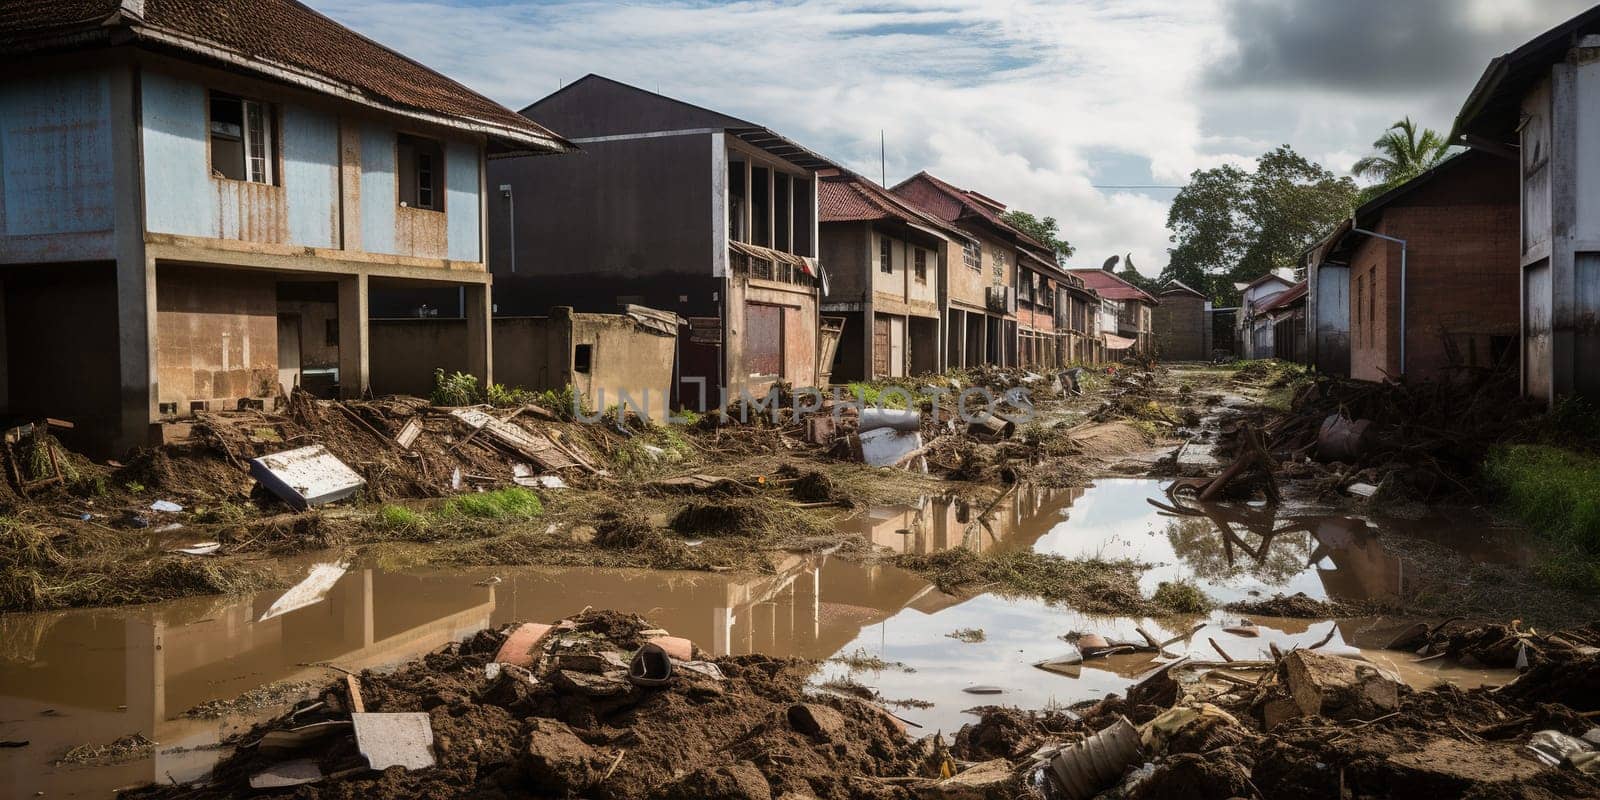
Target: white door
897, 347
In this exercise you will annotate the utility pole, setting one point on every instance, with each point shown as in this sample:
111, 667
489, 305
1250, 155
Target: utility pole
883, 161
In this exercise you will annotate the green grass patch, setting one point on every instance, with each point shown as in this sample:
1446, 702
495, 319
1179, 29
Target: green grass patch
513, 503
1182, 597
399, 520
1556, 492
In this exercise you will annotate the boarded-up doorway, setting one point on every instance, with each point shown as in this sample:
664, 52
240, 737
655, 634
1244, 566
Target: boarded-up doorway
763, 340
288, 352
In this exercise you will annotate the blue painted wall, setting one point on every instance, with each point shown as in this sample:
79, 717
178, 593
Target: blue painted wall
461, 201
55, 155
178, 194
311, 175
379, 195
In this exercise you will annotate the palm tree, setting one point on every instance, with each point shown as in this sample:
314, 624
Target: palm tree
1402, 154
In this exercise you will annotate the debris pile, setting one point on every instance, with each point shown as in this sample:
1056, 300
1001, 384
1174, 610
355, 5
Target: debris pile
599, 706
1306, 724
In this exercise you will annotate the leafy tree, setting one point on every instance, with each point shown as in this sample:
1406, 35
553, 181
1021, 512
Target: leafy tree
1401, 154
1229, 225
1041, 228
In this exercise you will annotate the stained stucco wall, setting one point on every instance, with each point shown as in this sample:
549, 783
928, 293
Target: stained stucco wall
216, 335
56, 181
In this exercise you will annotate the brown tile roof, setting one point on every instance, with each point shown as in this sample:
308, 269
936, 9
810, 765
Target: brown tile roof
1112, 287
848, 197
974, 204
281, 39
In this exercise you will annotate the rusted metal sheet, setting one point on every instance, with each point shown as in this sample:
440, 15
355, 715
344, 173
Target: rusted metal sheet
763, 339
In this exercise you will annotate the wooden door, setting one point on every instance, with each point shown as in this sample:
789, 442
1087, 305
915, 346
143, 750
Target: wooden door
880, 346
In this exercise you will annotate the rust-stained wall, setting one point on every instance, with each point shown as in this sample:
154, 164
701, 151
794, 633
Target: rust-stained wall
216, 335
56, 201
334, 166
799, 305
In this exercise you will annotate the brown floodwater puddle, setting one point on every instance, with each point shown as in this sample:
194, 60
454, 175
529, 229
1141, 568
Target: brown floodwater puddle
91, 676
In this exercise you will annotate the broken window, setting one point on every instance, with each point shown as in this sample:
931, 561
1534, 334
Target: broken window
582, 358
972, 256
420, 165
242, 140
919, 265
885, 256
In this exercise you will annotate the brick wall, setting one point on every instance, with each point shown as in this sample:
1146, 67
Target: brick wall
1180, 325
1462, 278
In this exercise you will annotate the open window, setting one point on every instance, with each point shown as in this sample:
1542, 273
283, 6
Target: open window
919, 265
885, 255
736, 201
243, 144
420, 164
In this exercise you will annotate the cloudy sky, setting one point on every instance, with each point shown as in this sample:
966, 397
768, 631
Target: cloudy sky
1033, 102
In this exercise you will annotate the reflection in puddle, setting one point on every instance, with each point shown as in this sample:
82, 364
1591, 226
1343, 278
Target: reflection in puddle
72, 677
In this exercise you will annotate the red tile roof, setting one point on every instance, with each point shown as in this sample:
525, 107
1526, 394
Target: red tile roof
973, 204
1284, 298
848, 197
281, 39
1112, 287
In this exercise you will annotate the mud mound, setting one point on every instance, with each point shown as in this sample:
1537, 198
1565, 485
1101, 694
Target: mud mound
723, 519
1297, 605
624, 529
575, 733
1572, 682
815, 487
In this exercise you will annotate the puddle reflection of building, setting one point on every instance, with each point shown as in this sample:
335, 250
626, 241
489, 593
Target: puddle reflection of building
99, 675
942, 522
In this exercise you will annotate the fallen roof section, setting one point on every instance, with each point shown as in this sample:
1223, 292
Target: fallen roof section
279, 39
1112, 287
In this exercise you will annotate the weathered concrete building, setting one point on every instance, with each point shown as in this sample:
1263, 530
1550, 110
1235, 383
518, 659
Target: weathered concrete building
1181, 323
675, 207
1459, 225
887, 264
1539, 107
198, 197
1077, 321
1134, 322
1286, 314
1254, 328
983, 303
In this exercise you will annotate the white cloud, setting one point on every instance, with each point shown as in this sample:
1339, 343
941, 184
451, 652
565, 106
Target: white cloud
1014, 98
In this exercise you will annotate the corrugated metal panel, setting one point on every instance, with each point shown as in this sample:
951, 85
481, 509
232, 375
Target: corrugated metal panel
1536, 319
1586, 331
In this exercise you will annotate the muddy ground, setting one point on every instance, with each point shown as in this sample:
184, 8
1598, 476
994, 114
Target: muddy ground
450, 498
750, 728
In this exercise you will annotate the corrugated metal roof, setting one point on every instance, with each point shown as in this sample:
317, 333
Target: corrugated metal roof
281, 39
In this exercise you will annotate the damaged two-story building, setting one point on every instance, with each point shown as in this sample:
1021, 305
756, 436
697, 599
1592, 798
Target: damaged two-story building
887, 262
677, 208
196, 195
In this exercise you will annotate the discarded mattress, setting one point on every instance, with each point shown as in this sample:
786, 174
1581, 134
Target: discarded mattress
306, 476
887, 447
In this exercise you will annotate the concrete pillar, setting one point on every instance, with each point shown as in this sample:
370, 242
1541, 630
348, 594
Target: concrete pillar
136, 345
480, 332
354, 355
137, 404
